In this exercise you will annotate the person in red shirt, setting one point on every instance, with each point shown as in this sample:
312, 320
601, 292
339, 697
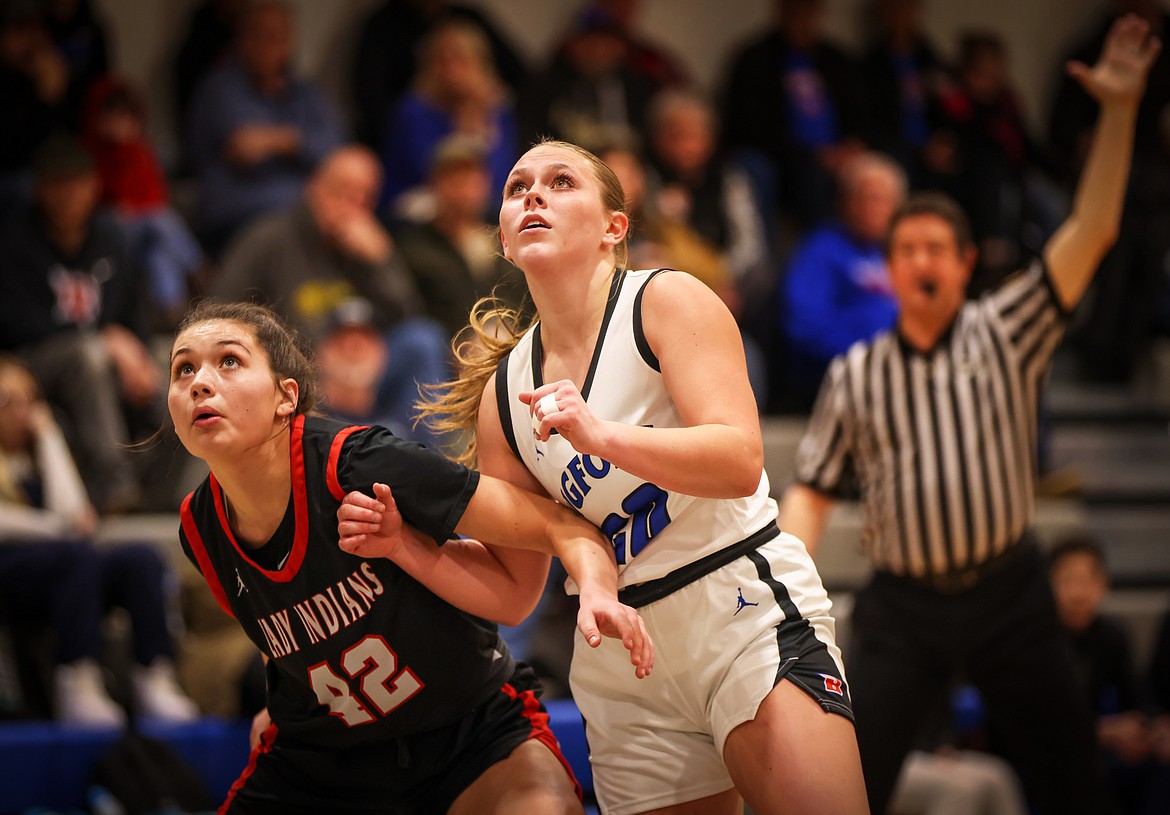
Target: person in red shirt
134, 185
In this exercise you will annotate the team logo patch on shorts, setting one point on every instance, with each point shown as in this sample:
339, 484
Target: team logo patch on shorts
833, 684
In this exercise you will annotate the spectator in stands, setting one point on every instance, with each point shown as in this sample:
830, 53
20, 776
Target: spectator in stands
206, 45
588, 93
1121, 318
133, 184
793, 111
660, 239
454, 257
644, 57
71, 306
1080, 584
256, 129
901, 71
50, 570
836, 289
693, 184
388, 53
655, 241
34, 78
79, 34
456, 90
352, 358
310, 258
983, 155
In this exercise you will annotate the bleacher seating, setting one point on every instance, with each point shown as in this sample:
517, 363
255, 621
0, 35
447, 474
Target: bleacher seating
48, 766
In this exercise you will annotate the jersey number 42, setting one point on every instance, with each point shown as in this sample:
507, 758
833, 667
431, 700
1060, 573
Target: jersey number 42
372, 666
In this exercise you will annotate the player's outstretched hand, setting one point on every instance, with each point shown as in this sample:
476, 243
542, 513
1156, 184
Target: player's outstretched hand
1120, 73
370, 527
605, 616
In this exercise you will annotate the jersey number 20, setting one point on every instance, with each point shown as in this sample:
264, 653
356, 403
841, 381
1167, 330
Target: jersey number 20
383, 688
645, 517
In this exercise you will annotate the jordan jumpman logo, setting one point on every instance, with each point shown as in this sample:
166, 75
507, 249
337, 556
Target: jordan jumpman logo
741, 603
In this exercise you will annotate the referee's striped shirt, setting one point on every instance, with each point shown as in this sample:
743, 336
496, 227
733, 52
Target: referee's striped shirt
942, 444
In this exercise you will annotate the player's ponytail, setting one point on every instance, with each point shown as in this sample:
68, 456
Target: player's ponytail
451, 408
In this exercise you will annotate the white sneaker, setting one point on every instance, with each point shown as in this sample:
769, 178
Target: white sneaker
81, 698
157, 693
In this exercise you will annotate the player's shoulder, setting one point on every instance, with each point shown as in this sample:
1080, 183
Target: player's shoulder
315, 426
666, 285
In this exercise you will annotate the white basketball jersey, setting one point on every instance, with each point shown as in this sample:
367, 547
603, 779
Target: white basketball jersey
653, 531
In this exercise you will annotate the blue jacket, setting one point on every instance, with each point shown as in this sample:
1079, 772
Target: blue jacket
836, 291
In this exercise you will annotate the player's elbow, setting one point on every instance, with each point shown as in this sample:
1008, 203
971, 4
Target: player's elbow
745, 479
521, 596
753, 467
518, 609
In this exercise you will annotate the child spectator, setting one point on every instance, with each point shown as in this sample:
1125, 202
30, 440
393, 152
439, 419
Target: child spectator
1080, 583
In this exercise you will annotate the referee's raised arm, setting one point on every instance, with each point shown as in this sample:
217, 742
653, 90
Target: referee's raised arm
1117, 82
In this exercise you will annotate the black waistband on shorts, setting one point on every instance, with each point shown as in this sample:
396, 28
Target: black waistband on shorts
645, 593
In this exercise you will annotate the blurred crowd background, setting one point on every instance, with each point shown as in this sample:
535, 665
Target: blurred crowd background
343, 161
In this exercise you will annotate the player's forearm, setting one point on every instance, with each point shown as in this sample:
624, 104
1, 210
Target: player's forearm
507, 516
587, 557
709, 461
469, 576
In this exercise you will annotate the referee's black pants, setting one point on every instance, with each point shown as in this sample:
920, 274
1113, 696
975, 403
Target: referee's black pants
909, 640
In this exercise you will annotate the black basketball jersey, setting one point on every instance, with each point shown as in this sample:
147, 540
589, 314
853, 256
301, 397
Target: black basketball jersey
358, 650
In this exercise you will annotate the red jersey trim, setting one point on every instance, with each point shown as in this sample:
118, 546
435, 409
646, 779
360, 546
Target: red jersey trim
267, 739
334, 454
195, 541
300, 511
538, 719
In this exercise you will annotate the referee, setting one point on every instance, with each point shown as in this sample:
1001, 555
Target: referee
935, 424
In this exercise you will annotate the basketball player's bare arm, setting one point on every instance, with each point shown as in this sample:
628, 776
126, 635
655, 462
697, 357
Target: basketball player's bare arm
719, 452
496, 583
478, 578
